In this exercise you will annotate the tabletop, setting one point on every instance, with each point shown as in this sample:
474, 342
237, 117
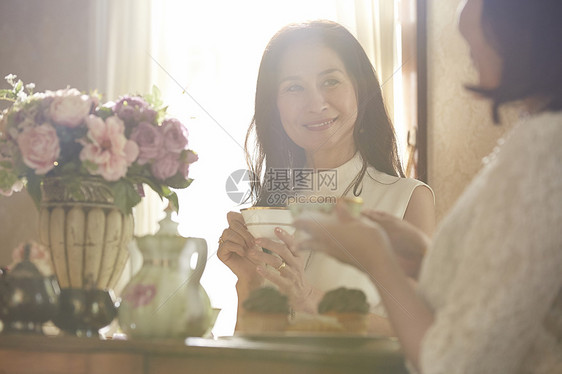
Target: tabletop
23, 354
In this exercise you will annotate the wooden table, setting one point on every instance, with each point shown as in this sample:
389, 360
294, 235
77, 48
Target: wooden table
23, 354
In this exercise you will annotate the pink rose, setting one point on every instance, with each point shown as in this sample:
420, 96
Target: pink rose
150, 142
184, 170
175, 135
166, 166
39, 147
190, 158
133, 109
69, 107
108, 148
131, 150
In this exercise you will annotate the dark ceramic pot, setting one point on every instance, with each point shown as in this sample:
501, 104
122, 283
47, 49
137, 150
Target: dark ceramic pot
82, 312
27, 299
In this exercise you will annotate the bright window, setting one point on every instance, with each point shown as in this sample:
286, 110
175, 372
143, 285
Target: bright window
204, 57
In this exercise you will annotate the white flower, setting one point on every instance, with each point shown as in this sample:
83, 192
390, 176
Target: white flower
10, 78
22, 96
69, 107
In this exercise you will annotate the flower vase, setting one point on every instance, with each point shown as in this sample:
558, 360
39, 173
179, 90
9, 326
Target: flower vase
165, 299
86, 234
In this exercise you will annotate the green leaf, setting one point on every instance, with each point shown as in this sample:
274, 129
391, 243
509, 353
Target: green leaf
154, 98
125, 196
173, 198
178, 181
70, 168
161, 114
136, 170
166, 191
7, 179
18, 86
34, 188
104, 112
89, 165
157, 187
7, 95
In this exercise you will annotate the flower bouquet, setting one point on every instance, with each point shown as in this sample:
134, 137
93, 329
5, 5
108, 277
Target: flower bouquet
71, 135
84, 163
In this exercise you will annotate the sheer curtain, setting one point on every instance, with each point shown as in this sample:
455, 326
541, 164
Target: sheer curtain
204, 57
120, 46
119, 42
387, 31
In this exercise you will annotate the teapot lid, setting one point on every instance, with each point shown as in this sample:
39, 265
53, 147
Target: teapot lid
165, 239
167, 226
25, 268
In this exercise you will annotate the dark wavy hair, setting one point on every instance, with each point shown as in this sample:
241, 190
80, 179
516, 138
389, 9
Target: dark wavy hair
527, 35
373, 131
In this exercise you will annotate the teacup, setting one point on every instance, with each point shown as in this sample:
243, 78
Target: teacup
262, 221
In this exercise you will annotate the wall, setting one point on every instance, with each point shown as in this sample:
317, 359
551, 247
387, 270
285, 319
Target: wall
45, 42
460, 129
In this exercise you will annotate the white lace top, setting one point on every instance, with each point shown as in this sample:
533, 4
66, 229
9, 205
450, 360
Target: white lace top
494, 273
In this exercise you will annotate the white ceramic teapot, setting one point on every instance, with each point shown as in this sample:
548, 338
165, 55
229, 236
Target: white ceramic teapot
165, 299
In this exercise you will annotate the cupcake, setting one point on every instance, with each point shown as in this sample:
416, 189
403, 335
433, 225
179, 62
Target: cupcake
349, 306
265, 310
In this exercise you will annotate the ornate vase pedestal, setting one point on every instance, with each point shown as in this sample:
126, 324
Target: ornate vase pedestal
82, 312
85, 233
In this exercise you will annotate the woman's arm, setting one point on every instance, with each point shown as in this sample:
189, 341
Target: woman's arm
410, 317
236, 246
364, 244
291, 281
410, 242
420, 213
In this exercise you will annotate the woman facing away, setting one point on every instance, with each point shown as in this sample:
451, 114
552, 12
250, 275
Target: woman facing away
319, 107
489, 298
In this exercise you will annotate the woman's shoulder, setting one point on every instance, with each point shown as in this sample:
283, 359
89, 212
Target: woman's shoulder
389, 193
531, 149
374, 176
537, 131
546, 118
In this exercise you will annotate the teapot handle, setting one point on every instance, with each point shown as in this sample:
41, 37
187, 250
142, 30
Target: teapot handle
199, 246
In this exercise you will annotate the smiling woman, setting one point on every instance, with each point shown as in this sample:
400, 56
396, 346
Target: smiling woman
318, 109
